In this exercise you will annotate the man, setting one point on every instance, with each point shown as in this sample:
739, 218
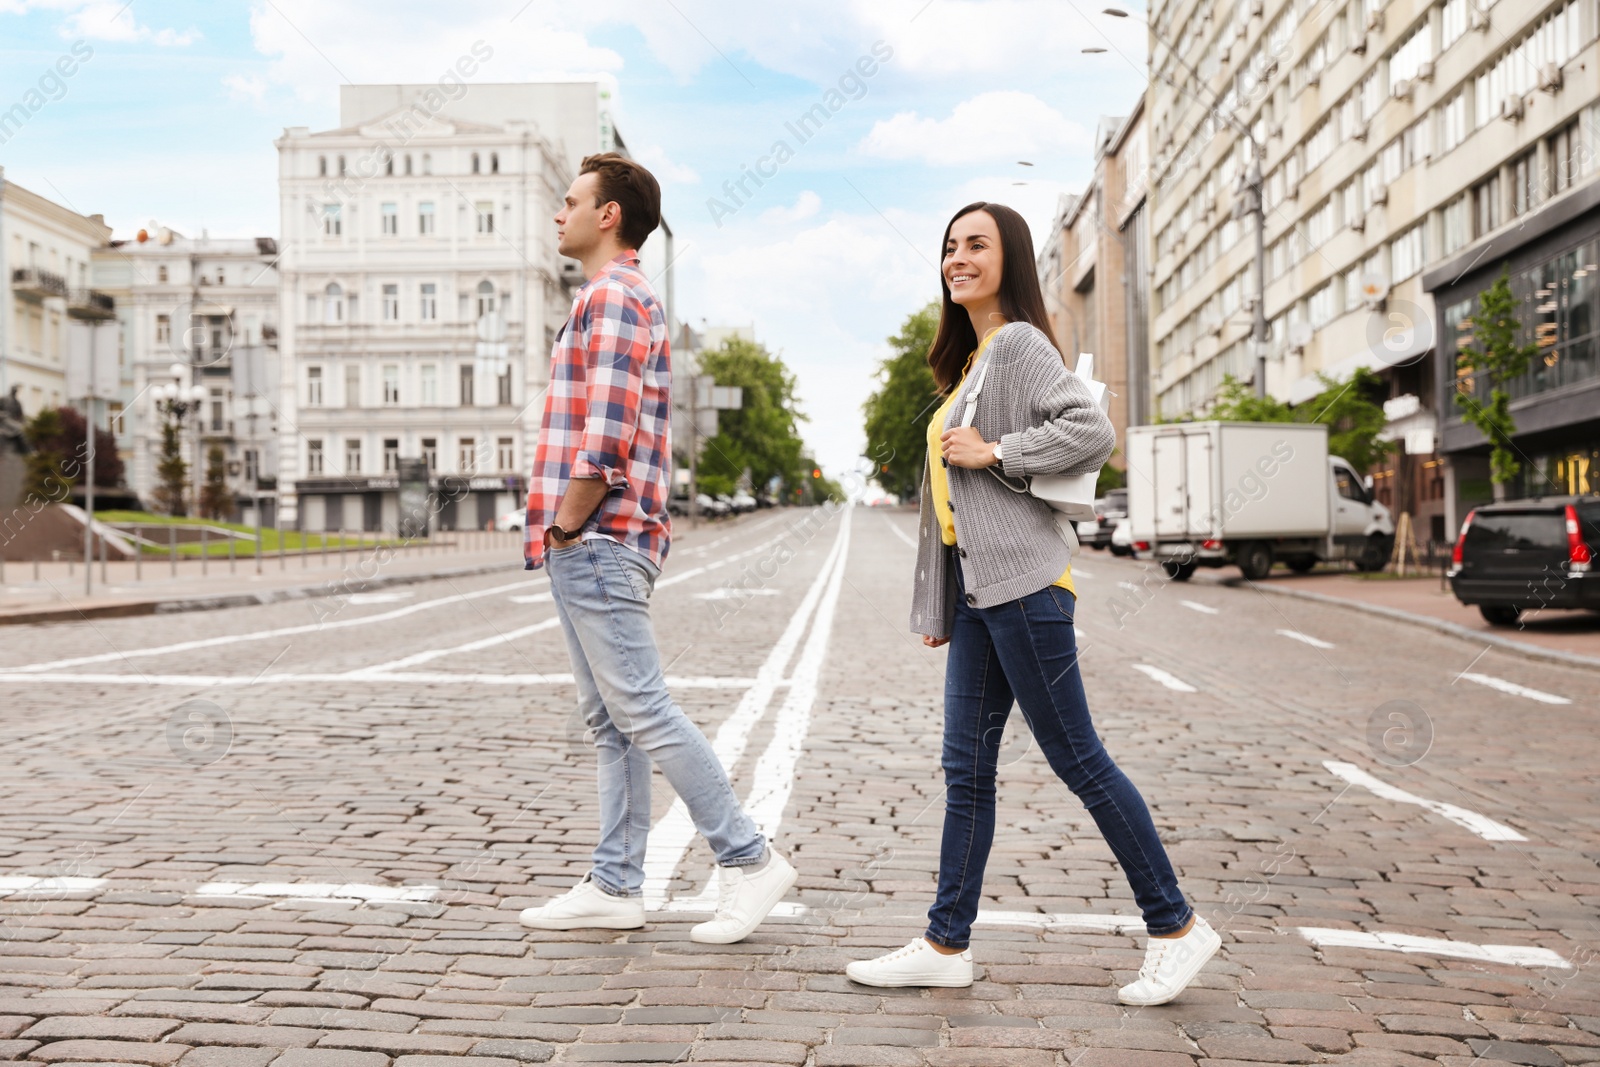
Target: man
597, 517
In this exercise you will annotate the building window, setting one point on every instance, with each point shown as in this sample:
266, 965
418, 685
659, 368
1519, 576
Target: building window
161, 273
341, 166
1406, 254
216, 411
391, 303
1457, 223
408, 164
163, 329
391, 219
252, 466
391, 454
485, 216
314, 456
222, 276
115, 415
322, 166
1524, 184
427, 163
468, 455
391, 383
506, 454
466, 385
352, 385
313, 387
425, 218
494, 162
430, 452
428, 303
332, 222
1486, 205
503, 389
352, 455
388, 163
485, 298
1566, 158
333, 304
428, 378
475, 163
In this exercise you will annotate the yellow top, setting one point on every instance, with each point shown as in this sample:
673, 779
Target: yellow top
939, 479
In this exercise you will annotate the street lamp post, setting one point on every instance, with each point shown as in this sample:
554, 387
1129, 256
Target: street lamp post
1250, 188
175, 401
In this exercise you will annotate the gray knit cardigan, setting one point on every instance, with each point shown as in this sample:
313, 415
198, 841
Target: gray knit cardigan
1009, 546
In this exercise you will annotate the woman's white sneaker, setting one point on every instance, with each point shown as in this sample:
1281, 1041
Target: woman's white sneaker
586, 907
1170, 964
918, 964
747, 896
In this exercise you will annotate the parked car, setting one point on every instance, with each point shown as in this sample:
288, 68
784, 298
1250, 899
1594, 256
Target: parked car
1122, 538
512, 520
742, 502
1108, 511
1523, 555
677, 505
712, 506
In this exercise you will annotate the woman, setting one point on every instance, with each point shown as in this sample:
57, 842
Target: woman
993, 579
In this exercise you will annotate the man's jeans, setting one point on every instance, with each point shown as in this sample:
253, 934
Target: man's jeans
1026, 650
602, 595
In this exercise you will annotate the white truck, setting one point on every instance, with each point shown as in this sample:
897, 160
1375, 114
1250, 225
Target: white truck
1204, 494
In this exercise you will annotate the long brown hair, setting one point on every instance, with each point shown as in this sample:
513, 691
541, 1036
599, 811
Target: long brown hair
1021, 299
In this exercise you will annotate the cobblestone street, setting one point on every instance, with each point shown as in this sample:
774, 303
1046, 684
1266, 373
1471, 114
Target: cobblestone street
300, 834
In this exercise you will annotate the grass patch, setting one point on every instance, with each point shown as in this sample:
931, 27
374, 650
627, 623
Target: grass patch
272, 541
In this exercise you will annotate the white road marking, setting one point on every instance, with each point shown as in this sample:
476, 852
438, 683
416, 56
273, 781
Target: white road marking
1518, 955
32, 886
1204, 609
907, 538
1135, 587
531, 598
1481, 825
1171, 681
380, 598
397, 677
1296, 635
1514, 689
1078, 573
729, 593
263, 635
670, 836
319, 891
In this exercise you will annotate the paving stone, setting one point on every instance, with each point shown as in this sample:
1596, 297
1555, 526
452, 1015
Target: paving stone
1515, 1052
109, 1028
220, 1056
91, 1051
645, 1052
330, 1057
395, 1044
521, 1051
233, 1034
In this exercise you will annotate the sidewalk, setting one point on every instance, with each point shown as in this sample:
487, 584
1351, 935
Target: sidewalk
57, 595
1568, 636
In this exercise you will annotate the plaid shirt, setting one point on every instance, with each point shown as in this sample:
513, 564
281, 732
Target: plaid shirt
606, 415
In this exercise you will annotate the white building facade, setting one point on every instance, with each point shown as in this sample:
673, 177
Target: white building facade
421, 292
210, 305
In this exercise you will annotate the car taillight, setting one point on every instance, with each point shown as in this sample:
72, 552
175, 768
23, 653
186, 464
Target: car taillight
1211, 544
1578, 555
1461, 541
1141, 546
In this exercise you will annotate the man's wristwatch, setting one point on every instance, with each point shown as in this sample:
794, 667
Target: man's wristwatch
997, 456
559, 534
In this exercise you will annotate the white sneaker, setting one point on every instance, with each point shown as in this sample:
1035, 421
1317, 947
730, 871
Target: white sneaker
586, 906
918, 964
746, 898
1170, 964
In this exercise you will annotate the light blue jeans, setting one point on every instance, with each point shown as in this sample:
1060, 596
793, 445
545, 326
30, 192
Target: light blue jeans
602, 595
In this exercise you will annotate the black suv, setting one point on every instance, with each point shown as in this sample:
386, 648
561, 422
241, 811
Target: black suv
1528, 554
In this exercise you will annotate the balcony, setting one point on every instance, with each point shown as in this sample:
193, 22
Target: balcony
91, 304
40, 284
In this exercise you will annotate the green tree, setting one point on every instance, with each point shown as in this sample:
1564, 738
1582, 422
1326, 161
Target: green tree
49, 475
762, 435
897, 414
170, 473
1496, 360
215, 500
1237, 402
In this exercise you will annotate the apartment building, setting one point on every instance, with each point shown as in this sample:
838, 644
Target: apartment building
1377, 125
1093, 269
421, 292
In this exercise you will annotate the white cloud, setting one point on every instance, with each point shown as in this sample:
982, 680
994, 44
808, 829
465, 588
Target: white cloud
806, 205
242, 87
663, 167
102, 20
993, 126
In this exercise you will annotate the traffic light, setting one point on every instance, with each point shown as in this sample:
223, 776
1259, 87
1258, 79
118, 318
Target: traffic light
816, 472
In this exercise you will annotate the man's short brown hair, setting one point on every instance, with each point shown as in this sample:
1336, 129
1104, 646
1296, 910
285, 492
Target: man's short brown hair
635, 191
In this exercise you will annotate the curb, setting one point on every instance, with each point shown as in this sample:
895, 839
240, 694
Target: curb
220, 601
1571, 659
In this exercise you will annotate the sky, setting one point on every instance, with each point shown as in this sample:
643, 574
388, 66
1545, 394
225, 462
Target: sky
171, 117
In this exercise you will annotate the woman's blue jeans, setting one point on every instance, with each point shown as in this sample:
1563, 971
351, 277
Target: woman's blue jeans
1025, 651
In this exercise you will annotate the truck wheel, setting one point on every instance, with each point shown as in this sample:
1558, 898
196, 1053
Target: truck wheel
1179, 571
1255, 560
1499, 614
1302, 564
1375, 554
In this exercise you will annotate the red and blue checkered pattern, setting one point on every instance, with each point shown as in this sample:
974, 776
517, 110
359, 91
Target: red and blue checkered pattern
607, 415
